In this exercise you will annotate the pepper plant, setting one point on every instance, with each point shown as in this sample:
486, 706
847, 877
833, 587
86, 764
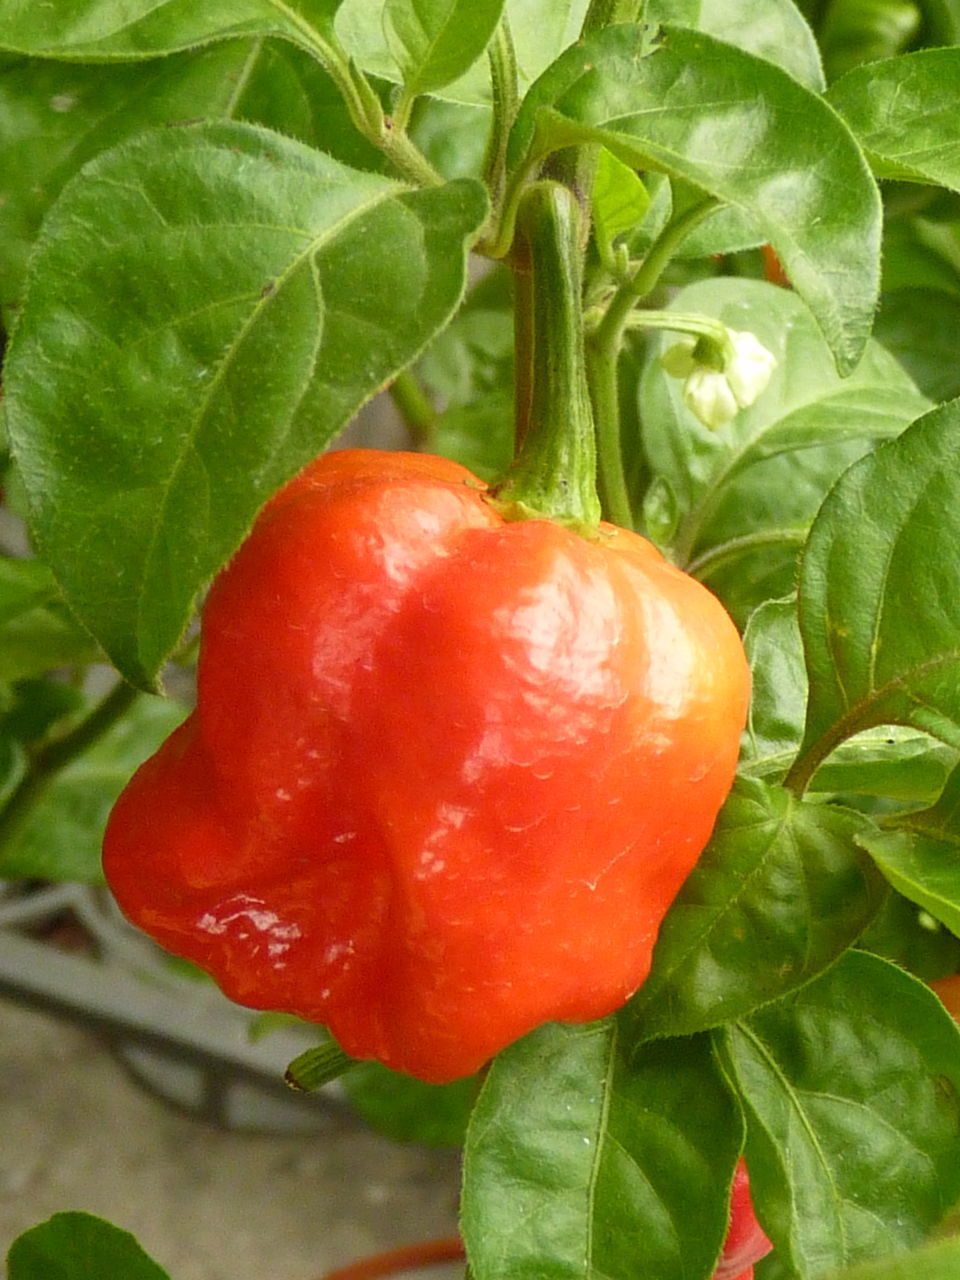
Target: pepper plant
224, 228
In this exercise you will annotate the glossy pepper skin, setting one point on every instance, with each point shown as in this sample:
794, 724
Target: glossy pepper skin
446, 772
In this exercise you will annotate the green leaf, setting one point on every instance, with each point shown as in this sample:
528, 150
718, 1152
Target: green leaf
905, 111
879, 599
452, 135
922, 251
942, 21
857, 31
620, 200
540, 30
472, 358
35, 706
888, 761
469, 368
923, 868
745, 495
779, 695
78, 1246
54, 117
779, 893
407, 1110
851, 1089
912, 939
207, 310
583, 1161
772, 29
37, 632
24, 585
96, 30
919, 857
937, 1261
921, 327
60, 837
436, 41
479, 436
739, 129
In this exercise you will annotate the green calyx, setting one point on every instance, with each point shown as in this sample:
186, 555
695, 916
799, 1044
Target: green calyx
554, 474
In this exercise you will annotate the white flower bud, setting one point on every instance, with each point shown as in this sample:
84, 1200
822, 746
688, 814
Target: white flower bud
707, 394
749, 369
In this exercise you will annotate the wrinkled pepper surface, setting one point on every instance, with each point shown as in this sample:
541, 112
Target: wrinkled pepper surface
446, 772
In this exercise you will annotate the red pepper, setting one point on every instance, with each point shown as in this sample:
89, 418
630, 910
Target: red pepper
948, 989
746, 1241
446, 773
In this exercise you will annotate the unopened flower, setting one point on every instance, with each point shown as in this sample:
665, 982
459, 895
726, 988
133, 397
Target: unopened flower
708, 395
720, 377
750, 368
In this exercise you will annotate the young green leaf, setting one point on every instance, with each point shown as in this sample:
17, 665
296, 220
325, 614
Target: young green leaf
78, 1246
745, 495
779, 893
435, 41
905, 111
741, 130
540, 30
207, 310
587, 1158
99, 30
620, 200
852, 1091
879, 599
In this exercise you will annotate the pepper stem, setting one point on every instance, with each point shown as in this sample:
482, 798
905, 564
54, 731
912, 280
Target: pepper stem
554, 474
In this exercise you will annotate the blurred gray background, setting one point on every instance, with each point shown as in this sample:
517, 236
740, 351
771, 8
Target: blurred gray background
77, 1132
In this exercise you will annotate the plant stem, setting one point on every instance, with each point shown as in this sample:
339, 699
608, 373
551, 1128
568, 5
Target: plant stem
414, 406
366, 110
576, 167
397, 145
711, 559
603, 380
506, 101
554, 472
54, 755
316, 1067
665, 246
603, 354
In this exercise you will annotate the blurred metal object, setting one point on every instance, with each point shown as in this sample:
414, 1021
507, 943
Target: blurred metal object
179, 1036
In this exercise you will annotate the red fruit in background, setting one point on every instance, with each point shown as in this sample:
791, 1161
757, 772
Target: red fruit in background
746, 1241
948, 989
